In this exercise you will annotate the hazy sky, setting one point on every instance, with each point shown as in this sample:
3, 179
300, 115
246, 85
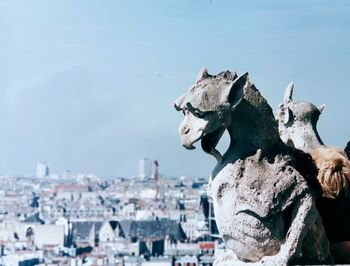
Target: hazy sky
90, 85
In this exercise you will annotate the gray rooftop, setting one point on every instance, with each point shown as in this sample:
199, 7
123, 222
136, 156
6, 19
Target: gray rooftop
81, 230
158, 229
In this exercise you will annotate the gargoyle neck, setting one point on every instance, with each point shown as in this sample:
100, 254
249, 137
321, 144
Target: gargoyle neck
252, 128
304, 136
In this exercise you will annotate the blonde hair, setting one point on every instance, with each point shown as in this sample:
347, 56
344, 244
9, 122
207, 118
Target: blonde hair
333, 171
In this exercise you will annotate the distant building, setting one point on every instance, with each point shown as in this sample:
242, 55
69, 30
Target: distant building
67, 174
25, 258
70, 192
44, 234
187, 261
145, 168
42, 170
35, 219
152, 236
213, 229
85, 234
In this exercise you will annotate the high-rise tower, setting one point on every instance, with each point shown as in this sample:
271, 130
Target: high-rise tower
144, 168
42, 170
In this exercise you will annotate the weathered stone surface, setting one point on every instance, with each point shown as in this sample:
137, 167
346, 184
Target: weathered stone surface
263, 206
297, 121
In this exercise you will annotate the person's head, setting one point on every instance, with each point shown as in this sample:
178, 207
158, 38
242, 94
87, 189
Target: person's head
333, 171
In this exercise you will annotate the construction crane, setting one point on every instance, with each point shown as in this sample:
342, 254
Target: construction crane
156, 178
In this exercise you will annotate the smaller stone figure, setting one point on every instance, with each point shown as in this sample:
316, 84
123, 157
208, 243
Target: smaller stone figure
297, 121
297, 126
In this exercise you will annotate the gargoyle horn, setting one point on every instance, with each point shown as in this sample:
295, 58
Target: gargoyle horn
321, 107
236, 90
288, 93
203, 73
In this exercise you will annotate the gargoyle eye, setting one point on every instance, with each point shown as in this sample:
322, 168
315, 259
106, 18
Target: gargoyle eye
198, 114
195, 111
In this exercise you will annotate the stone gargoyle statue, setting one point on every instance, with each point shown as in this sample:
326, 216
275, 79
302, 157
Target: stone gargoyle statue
297, 122
264, 208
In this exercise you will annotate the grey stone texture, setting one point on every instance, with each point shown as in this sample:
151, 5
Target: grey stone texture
297, 122
264, 208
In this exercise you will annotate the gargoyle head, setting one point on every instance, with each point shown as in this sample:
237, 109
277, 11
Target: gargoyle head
297, 121
207, 107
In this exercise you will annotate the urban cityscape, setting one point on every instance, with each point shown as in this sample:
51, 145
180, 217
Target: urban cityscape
93, 168
77, 219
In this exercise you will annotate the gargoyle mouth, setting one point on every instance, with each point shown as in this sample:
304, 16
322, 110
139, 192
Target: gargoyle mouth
190, 146
210, 140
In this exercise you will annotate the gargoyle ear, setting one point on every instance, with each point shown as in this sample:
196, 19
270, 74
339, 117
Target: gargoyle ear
179, 102
285, 115
288, 93
203, 73
236, 92
321, 108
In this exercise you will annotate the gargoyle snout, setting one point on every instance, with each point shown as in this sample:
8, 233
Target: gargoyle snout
186, 135
185, 130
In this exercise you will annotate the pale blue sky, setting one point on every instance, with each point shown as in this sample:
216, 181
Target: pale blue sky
89, 85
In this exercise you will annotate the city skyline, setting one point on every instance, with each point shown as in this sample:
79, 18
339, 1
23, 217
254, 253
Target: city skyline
78, 220
90, 86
